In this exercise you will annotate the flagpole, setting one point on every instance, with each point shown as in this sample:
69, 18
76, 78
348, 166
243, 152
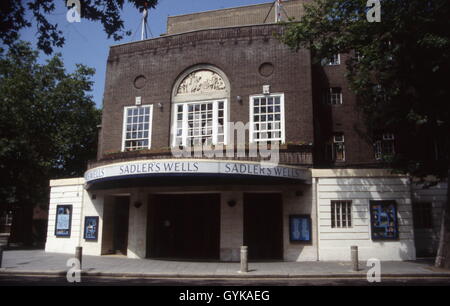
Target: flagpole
144, 23
278, 8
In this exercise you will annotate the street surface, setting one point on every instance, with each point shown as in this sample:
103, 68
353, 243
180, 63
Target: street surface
43, 280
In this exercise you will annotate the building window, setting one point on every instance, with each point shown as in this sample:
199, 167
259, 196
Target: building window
6, 218
333, 96
200, 123
137, 128
338, 147
333, 60
341, 214
384, 146
267, 118
422, 215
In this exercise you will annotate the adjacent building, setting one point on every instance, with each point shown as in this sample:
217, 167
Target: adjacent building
222, 81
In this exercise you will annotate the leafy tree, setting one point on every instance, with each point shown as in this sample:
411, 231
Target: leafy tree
13, 18
399, 71
48, 126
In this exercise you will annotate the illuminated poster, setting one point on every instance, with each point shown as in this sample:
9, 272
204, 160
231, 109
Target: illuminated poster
383, 217
90, 228
300, 228
63, 220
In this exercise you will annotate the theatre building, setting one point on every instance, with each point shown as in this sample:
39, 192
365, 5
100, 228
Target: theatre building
222, 80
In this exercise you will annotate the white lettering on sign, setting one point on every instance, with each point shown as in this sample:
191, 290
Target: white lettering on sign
192, 167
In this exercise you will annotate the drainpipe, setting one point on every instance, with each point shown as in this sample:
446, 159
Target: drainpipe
81, 214
316, 202
411, 196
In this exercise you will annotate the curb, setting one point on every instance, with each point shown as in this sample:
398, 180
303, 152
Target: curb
354, 275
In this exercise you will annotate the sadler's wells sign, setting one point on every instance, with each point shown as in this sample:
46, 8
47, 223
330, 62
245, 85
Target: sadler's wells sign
148, 168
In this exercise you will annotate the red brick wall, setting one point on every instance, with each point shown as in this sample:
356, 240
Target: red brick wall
238, 52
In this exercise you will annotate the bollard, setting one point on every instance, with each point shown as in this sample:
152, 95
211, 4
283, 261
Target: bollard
354, 256
244, 262
79, 254
1, 255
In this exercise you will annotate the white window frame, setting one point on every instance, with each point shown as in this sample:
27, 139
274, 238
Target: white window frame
379, 145
282, 119
329, 62
185, 105
334, 143
329, 92
338, 213
124, 124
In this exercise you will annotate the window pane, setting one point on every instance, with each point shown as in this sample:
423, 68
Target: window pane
137, 128
200, 122
267, 112
341, 216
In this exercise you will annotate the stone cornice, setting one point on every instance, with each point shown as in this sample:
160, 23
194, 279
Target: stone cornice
190, 39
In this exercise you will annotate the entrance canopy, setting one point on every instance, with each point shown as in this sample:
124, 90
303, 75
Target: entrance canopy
193, 170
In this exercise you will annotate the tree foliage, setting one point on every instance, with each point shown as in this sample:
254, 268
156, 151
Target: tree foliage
13, 18
48, 124
401, 73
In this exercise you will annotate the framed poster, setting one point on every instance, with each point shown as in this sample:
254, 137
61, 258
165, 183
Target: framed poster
90, 228
300, 228
63, 220
383, 220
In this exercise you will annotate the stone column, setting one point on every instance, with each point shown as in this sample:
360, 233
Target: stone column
137, 226
231, 225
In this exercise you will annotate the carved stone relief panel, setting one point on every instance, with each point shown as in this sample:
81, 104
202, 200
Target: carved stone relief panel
200, 82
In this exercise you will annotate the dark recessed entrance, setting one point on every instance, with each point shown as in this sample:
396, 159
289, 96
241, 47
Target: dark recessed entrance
263, 226
121, 214
115, 225
184, 226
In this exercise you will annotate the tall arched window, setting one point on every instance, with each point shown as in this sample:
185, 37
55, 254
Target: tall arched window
200, 107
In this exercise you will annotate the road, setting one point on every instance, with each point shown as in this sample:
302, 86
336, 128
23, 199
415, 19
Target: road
43, 280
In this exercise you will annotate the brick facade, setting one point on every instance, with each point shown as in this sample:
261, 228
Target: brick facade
239, 52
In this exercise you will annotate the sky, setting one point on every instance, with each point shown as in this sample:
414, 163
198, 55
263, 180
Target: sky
86, 43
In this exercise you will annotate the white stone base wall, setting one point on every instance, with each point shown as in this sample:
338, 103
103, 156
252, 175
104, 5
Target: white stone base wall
299, 202
65, 192
360, 187
92, 207
328, 244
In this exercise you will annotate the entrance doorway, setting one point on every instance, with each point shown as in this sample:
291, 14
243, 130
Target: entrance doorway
121, 215
115, 225
184, 226
263, 226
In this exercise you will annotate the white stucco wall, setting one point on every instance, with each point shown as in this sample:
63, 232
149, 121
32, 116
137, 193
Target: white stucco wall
92, 208
329, 244
361, 186
299, 202
65, 192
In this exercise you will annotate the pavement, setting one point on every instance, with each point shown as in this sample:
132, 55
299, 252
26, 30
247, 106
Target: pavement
38, 262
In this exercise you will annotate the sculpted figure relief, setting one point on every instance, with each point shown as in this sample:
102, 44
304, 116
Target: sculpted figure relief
202, 81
